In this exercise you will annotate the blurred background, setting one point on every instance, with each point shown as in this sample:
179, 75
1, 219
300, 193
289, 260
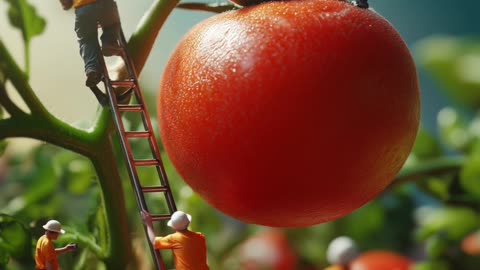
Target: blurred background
427, 221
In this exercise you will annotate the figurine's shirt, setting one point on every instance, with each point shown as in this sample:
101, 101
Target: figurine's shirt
189, 249
45, 252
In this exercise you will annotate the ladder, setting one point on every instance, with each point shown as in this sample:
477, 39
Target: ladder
131, 83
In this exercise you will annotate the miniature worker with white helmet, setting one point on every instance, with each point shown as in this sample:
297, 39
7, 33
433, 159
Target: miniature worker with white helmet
189, 248
45, 252
340, 252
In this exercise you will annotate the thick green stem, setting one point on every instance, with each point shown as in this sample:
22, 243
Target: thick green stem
26, 49
118, 250
7, 102
53, 131
142, 40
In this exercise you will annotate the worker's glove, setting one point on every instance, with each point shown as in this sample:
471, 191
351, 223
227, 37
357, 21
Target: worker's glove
146, 217
72, 247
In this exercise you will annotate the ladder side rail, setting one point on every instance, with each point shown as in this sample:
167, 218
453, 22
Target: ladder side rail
127, 154
156, 153
148, 126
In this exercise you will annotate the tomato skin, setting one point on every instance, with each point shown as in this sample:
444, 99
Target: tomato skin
380, 260
289, 114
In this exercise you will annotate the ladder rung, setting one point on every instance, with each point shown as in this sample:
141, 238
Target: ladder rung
160, 217
130, 108
155, 189
128, 84
146, 162
137, 134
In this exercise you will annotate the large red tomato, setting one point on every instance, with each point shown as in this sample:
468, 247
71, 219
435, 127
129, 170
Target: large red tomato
380, 260
289, 113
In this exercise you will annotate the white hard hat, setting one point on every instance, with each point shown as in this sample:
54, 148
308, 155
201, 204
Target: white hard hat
179, 221
54, 226
341, 251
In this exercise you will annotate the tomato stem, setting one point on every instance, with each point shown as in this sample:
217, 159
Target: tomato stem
361, 3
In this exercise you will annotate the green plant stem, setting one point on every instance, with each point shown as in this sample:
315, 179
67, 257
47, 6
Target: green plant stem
55, 132
8, 104
26, 53
118, 249
209, 7
434, 167
143, 39
20, 81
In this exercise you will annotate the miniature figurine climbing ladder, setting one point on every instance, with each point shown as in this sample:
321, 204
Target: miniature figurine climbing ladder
131, 83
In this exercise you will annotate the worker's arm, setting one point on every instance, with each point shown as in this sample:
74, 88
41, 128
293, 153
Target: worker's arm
147, 221
67, 248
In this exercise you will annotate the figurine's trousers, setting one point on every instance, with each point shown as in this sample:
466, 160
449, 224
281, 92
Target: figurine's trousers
87, 19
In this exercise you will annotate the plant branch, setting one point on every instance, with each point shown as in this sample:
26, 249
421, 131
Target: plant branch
434, 167
54, 132
143, 38
8, 104
19, 79
209, 7
119, 251
27, 58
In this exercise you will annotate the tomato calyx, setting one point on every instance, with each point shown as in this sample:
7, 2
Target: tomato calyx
361, 3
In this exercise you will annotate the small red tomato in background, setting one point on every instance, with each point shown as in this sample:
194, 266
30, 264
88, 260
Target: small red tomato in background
267, 250
471, 244
291, 113
380, 260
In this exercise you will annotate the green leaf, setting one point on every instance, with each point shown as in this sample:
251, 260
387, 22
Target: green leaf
373, 212
453, 129
432, 265
454, 222
4, 258
454, 63
437, 187
15, 238
470, 176
23, 16
436, 245
79, 174
426, 146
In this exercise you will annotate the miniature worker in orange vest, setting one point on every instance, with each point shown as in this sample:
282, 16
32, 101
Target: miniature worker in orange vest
88, 14
189, 248
340, 252
45, 252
